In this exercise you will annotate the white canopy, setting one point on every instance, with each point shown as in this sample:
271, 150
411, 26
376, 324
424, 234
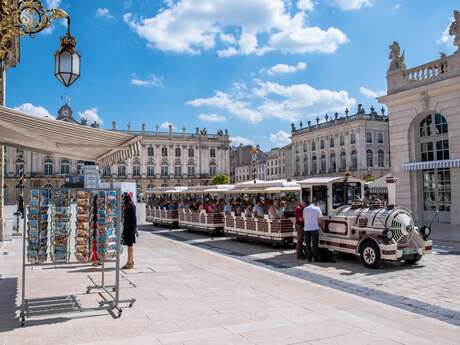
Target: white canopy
65, 139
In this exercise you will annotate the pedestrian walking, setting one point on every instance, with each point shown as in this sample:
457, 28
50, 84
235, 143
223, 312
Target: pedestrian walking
129, 229
299, 225
311, 215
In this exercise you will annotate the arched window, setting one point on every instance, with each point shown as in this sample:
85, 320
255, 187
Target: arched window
370, 158
136, 168
305, 147
297, 167
381, 159
5, 168
164, 169
65, 167
212, 169
80, 165
342, 140
352, 138
369, 137
19, 167
380, 138
305, 165
191, 152
323, 163
331, 142
343, 161
164, 152
177, 151
332, 164
150, 151
313, 146
354, 160
428, 127
121, 169
48, 167
212, 153
177, 170
107, 171
190, 170
314, 165
150, 169
321, 144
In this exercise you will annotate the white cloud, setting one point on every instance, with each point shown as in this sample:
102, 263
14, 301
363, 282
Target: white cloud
280, 138
306, 5
371, 93
396, 7
91, 115
285, 69
237, 27
165, 125
103, 13
236, 141
351, 5
152, 80
211, 117
233, 106
273, 100
53, 3
33, 110
446, 39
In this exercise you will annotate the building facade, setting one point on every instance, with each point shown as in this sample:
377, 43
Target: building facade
166, 159
424, 112
358, 143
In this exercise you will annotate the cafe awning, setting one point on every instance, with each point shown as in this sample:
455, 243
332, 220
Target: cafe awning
447, 163
69, 140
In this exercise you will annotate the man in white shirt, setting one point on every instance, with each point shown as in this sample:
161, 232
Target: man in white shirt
311, 216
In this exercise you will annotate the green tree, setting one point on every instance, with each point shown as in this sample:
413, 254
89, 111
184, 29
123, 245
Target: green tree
220, 179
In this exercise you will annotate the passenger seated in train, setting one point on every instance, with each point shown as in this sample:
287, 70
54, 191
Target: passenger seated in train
258, 209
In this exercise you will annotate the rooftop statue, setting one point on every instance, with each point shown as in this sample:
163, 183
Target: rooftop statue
397, 60
454, 29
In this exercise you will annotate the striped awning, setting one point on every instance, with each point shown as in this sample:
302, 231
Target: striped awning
414, 166
127, 150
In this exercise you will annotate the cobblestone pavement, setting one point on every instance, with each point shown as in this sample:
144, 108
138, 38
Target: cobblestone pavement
429, 288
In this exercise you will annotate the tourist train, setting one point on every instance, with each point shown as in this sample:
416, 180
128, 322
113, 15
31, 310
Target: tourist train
374, 230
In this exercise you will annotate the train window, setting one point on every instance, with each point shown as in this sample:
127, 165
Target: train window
320, 195
306, 195
343, 193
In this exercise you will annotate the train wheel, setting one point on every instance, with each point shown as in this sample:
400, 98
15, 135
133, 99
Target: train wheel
370, 254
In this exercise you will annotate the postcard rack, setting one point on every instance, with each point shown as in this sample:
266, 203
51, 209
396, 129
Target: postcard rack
47, 242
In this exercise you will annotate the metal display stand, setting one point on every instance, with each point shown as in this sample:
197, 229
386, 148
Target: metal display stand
109, 294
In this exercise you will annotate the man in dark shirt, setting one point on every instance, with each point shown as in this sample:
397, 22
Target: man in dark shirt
299, 224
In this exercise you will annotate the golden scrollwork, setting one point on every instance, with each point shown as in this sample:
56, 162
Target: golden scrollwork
23, 17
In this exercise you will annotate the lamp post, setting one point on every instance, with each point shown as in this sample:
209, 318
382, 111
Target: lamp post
254, 162
28, 17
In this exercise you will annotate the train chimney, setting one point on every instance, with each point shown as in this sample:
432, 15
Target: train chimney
391, 185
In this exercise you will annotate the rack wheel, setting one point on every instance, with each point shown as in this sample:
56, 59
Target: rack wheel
119, 313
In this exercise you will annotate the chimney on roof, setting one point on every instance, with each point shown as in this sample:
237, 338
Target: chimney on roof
114, 125
143, 127
129, 126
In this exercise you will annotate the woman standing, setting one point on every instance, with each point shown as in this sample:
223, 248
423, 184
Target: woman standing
129, 228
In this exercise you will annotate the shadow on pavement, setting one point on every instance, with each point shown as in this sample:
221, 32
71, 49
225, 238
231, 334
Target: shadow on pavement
8, 296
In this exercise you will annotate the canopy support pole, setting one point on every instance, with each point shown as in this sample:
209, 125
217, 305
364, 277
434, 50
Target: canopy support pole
2, 149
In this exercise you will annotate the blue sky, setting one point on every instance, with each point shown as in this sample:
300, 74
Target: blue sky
250, 66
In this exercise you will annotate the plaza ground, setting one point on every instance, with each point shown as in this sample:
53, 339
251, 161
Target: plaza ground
195, 289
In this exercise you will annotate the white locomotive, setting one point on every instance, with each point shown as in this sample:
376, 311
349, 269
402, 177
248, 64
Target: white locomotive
371, 230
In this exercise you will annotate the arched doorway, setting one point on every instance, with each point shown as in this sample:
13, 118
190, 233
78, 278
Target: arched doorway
433, 145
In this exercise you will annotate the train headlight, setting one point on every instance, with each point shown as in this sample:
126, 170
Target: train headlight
409, 228
425, 231
388, 235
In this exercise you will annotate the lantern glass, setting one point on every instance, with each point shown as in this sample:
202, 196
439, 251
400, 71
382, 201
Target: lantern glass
67, 65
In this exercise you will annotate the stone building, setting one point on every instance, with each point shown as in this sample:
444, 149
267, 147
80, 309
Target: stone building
359, 143
424, 112
276, 164
166, 159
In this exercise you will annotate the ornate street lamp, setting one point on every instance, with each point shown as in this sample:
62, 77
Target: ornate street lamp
67, 60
